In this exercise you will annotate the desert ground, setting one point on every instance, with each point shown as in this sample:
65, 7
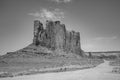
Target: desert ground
101, 72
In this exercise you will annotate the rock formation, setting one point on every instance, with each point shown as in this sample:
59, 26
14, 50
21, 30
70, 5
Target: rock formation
56, 37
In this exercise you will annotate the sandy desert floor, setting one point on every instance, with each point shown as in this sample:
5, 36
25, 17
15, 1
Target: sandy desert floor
101, 72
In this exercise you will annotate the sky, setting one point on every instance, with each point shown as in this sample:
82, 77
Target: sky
98, 22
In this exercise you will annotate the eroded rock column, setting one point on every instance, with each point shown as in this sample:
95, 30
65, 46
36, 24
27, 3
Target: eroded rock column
38, 27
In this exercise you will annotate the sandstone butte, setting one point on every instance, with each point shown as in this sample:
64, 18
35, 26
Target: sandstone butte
52, 38
55, 37
53, 47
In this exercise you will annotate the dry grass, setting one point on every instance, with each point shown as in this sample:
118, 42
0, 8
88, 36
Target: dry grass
39, 63
116, 65
116, 70
115, 62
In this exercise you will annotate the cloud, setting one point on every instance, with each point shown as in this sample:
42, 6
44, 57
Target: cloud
46, 14
37, 14
62, 1
106, 38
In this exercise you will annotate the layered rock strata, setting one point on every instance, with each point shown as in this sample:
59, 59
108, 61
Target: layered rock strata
55, 36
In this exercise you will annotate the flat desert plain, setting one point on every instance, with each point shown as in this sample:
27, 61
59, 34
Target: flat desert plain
101, 72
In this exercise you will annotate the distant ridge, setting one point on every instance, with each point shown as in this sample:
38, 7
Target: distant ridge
106, 52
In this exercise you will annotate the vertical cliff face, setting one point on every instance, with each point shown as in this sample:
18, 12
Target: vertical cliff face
60, 35
56, 37
38, 28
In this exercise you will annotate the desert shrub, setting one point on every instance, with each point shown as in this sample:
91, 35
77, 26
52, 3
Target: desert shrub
90, 54
115, 62
112, 57
5, 74
116, 70
107, 57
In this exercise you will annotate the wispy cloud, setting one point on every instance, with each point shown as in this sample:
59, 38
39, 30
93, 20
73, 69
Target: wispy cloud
61, 1
46, 14
106, 38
